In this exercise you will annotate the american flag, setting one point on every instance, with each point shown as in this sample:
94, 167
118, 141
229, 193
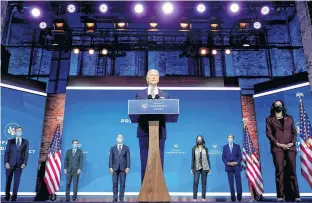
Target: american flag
53, 164
251, 164
305, 145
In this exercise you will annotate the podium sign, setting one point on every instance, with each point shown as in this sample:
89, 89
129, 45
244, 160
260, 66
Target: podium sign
169, 108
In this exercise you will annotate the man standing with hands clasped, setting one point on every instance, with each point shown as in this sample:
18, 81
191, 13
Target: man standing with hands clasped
73, 166
119, 166
232, 158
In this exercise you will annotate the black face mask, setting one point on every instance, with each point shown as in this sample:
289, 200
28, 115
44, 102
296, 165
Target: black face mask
199, 142
278, 109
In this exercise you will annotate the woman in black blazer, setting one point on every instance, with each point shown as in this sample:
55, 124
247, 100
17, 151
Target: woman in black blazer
200, 166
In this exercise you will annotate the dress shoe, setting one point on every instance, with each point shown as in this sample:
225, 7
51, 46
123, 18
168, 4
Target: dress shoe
297, 200
280, 200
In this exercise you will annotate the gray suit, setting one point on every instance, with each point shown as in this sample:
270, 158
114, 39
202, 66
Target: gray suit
119, 160
73, 162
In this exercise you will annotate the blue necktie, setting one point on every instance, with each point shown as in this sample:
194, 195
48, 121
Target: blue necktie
119, 148
231, 147
18, 143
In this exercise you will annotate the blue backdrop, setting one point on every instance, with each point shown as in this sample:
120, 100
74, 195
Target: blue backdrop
95, 117
27, 110
262, 106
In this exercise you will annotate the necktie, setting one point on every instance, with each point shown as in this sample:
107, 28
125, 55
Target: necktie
18, 143
231, 147
74, 152
119, 148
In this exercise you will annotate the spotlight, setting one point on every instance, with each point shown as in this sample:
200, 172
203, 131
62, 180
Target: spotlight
104, 52
167, 8
185, 26
227, 51
234, 7
153, 26
265, 10
214, 52
43, 25
89, 25
201, 8
103, 8
121, 25
203, 51
71, 8
59, 25
138, 8
215, 27
76, 51
35, 12
257, 25
91, 51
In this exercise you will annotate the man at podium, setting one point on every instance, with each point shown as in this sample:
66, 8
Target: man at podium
151, 92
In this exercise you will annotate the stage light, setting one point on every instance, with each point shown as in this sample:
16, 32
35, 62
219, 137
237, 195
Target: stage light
103, 8
201, 8
185, 26
234, 7
246, 43
121, 25
138, 8
265, 10
167, 8
91, 51
35, 12
71, 8
153, 26
214, 52
59, 25
257, 25
76, 51
42, 25
215, 27
104, 52
227, 51
203, 51
89, 25
243, 26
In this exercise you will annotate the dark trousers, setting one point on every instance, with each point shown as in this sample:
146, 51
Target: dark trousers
121, 175
17, 172
144, 153
285, 160
238, 181
69, 177
203, 174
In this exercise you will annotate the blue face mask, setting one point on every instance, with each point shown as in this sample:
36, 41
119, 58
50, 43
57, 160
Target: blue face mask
19, 133
75, 146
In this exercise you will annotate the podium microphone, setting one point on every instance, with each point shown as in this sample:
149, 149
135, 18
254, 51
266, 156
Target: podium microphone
156, 96
150, 96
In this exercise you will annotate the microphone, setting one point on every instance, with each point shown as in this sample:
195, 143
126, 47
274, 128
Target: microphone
156, 96
150, 96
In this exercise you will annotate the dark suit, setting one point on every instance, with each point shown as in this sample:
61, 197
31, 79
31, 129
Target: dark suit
143, 128
16, 156
119, 160
73, 162
277, 133
233, 171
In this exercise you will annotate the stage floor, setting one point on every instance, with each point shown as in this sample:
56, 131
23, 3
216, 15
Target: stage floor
133, 199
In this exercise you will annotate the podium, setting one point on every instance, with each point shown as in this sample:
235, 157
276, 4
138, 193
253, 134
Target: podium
154, 187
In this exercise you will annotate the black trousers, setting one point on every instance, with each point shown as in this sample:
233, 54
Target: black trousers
69, 178
121, 176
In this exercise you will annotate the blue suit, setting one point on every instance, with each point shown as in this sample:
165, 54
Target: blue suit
143, 128
234, 155
119, 160
16, 156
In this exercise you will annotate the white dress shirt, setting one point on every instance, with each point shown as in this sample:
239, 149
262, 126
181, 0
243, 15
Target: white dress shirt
119, 145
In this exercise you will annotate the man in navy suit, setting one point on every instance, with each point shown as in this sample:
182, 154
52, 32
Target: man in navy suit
119, 166
152, 92
15, 159
232, 158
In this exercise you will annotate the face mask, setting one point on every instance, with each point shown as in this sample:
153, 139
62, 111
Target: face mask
119, 140
75, 146
19, 134
199, 142
278, 109
230, 140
